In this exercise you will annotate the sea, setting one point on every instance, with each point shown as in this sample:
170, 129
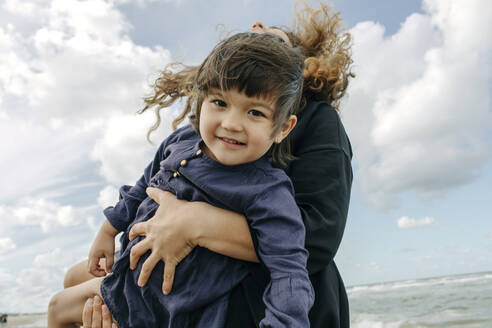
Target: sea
449, 301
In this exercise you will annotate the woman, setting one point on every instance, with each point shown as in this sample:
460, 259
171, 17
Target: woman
321, 175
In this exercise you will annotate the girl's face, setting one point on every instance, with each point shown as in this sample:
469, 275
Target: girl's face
237, 129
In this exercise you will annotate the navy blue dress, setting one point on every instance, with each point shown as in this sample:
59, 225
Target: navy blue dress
204, 279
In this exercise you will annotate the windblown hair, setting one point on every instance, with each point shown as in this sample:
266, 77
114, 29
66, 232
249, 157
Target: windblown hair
318, 33
259, 69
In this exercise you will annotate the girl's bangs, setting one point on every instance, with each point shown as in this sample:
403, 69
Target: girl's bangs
246, 77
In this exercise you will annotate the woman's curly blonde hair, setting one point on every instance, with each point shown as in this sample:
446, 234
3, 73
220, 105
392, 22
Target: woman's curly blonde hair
318, 35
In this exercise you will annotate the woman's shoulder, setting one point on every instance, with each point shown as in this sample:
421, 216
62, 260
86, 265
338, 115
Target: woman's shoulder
319, 125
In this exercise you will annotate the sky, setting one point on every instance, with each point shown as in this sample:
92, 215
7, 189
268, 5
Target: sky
73, 74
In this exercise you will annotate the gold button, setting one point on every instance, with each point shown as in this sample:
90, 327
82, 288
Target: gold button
199, 151
175, 174
183, 162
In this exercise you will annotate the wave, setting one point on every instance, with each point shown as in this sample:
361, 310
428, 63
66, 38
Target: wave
426, 282
365, 320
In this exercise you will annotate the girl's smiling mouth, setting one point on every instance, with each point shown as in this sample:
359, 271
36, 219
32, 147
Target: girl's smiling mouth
231, 141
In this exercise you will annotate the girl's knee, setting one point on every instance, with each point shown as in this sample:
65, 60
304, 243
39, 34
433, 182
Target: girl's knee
66, 306
55, 308
77, 274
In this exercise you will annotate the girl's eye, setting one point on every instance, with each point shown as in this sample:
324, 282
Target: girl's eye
255, 112
219, 103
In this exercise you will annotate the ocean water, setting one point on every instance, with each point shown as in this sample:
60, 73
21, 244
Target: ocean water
451, 302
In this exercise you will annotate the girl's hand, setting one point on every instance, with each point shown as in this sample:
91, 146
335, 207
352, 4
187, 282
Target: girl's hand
102, 247
168, 234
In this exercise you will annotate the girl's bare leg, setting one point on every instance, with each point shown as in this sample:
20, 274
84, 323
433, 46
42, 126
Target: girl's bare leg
79, 273
65, 308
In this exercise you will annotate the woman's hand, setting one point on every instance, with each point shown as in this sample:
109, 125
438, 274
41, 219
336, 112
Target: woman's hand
96, 314
168, 235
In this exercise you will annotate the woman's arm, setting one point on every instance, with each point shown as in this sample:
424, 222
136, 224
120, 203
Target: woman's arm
224, 232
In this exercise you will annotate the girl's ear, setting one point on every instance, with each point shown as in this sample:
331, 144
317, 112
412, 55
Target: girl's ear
288, 126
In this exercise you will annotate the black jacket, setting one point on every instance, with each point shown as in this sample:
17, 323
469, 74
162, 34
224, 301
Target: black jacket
322, 178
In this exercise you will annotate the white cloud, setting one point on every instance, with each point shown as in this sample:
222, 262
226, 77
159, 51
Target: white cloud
61, 80
80, 64
146, 2
40, 156
123, 151
407, 223
25, 8
47, 214
108, 196
6, 245
5, 279
415, 124
31, 289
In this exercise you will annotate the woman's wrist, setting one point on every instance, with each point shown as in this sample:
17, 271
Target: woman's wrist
197, 222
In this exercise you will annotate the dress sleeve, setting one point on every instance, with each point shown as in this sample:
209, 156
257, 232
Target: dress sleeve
123, 213
322, 179
276, 222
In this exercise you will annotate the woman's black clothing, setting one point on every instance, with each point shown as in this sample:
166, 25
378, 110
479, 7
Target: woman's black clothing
322, 178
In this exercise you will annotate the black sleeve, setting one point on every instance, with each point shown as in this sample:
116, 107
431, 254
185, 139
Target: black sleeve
322, 179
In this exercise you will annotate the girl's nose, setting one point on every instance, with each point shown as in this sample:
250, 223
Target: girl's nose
257, 24
231, 122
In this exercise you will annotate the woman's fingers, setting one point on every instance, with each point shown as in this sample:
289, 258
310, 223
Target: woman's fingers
147, 268
107, 320
167, 284
138, 229
96, 312
155, 194
87, 313
138, 250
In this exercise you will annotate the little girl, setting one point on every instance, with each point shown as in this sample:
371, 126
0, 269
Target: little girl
244, 100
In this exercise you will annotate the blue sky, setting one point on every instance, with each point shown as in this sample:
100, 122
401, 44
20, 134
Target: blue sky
73, 73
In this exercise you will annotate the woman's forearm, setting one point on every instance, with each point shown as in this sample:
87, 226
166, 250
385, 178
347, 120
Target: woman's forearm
222, 231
